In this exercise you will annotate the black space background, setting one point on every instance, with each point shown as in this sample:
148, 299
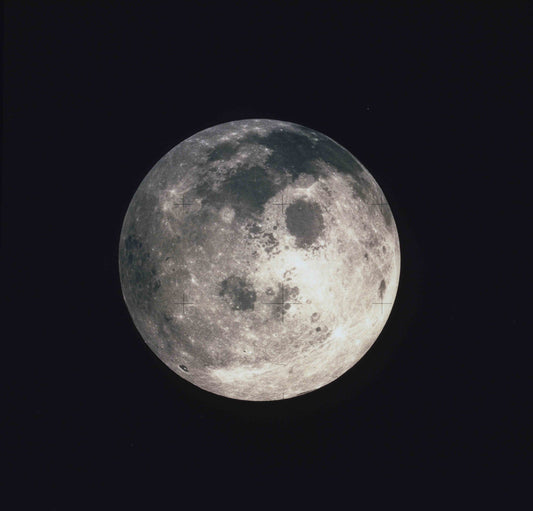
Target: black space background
433, 99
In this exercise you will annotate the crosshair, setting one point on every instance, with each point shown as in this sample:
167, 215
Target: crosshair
183, 203
379, 204
282, 204
382, 304
282, 303
183, 303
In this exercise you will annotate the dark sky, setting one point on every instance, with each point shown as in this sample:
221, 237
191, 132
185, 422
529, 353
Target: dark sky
433, 99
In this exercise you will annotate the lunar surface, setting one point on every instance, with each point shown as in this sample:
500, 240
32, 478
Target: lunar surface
259, 260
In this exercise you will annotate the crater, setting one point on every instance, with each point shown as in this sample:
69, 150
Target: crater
238, 293
304, 221
269, 242
227, 214
184, 368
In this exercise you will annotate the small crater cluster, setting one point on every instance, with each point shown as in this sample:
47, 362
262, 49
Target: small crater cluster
238, 293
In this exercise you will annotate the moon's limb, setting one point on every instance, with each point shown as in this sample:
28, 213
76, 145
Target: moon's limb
259, 260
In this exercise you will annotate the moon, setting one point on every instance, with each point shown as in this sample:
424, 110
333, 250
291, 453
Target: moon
259, 260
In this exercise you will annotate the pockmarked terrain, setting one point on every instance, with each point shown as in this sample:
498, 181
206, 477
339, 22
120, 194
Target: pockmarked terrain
259, 260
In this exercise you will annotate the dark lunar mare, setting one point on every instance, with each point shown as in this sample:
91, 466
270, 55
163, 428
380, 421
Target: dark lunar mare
138, 273
293, 151
239, 293
382, 287
304, 221
296, 151
249, 189
222, 151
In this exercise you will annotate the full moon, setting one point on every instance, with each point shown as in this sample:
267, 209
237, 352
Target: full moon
259, 260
